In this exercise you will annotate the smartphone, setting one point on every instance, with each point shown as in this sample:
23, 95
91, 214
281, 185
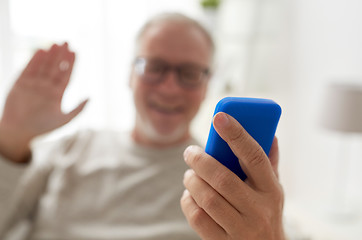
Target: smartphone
258, 116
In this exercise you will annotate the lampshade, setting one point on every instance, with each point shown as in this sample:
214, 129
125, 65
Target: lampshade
342, 107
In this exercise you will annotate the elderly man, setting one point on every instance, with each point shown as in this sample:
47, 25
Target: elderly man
107, 185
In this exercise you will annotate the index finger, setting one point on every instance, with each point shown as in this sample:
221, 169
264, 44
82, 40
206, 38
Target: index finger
252, 158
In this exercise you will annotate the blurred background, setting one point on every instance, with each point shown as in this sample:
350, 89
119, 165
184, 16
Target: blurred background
290, 51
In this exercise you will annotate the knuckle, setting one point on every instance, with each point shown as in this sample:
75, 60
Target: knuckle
210, 201
197, 217
195, 158
223, 180
248, 197
255, 158
237, 136
264, 215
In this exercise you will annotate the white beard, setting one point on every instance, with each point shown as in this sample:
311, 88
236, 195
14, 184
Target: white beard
150, 132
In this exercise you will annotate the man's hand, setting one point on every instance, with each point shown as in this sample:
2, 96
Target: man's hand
218, 205
33, 106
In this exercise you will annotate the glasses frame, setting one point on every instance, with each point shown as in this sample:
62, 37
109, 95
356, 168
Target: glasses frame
140, 64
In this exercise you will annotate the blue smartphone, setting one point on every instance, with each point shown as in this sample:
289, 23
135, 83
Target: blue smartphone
258, 116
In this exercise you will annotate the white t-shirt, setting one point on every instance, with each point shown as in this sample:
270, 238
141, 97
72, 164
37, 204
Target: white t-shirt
102, 185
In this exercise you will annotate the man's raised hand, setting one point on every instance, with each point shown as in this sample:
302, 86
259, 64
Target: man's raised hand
33, 106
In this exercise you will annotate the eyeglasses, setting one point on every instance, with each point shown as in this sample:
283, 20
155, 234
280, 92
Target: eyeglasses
153, 70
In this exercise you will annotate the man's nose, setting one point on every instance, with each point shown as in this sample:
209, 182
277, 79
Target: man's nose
170, 81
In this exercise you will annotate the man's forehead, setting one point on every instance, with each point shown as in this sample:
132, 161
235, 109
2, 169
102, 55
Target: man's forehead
175, 32
176, 41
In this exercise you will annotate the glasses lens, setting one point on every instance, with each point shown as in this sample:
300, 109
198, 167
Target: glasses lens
140, 65
191, 76
150, 70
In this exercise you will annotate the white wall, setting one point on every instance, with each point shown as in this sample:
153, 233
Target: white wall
327, 47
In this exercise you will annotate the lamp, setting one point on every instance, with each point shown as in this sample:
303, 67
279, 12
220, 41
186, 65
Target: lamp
342, 112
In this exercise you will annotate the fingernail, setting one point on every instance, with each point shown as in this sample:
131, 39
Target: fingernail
188, 173
187, 152
185, 193
221, 120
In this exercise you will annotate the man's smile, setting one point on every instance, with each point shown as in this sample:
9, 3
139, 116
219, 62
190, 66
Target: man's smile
166, 108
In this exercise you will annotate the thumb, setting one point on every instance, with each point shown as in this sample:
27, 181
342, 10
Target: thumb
69, 116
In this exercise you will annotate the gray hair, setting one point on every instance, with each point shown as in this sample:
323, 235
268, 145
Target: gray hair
179, 18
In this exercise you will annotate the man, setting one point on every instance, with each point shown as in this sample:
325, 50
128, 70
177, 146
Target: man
104, 185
